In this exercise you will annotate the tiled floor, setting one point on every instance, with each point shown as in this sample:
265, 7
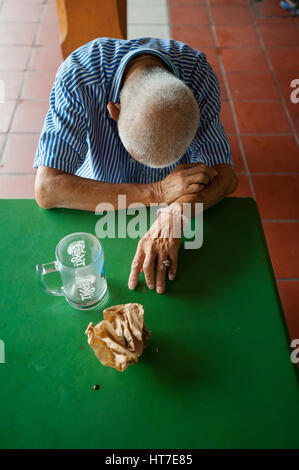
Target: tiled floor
29, 57
255, 53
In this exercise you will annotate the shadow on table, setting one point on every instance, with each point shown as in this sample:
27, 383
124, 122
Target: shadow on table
175, 364
228, 254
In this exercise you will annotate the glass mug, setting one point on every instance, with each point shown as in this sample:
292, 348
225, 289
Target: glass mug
80, 263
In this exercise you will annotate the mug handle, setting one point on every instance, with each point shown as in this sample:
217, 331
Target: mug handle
41, 271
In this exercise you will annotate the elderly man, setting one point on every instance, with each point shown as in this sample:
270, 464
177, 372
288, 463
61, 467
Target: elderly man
138, 118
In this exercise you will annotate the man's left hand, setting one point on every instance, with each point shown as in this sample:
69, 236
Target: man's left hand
159, 244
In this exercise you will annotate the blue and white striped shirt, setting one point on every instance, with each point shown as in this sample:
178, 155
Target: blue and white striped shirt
79, 136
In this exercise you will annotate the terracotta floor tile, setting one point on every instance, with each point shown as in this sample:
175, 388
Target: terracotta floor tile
17, 33
19, 153
283, 59
271, 8
284, 80
17, 186
275, 21
6, 111
236, 36
277, 196
227, 118
231, 14
196, 36
48, 34
243, 189
30, 116
181, 3
294, 112
290, 93
271, 153
46, 58
223, 92
14, 58
212, 57
282, 239
289, 294
227, 2
189, 14
13, 81
244, 60
261, 118
236, 153
20, 12
217, 70
252, 86
38, 84
285, 35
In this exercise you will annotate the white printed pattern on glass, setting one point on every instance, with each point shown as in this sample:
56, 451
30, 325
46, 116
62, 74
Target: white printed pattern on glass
77, 251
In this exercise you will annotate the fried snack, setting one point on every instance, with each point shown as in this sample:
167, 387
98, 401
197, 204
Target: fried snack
118, 341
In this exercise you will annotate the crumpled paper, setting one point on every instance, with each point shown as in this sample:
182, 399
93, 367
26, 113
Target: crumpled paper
118, 341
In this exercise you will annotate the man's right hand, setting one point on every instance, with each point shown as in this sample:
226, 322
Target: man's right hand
184, 179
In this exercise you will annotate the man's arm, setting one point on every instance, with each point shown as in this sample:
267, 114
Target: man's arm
55, 188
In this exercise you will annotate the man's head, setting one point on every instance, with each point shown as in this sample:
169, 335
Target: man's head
158, 117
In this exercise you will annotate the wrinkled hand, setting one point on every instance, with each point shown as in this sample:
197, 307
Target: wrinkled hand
157, 245
184, 179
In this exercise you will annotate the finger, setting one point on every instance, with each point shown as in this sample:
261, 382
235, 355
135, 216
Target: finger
135, 268
195, 188
199, 169
199, 178
149, 270
160, 273
173, 257
202, 165
205, 172
195, 167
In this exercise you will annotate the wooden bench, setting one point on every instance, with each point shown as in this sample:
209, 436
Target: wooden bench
81, 21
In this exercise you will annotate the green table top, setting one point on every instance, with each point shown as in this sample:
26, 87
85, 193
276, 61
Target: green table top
216, 372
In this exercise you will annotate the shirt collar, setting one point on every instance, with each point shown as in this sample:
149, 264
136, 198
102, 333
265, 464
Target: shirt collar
115, 88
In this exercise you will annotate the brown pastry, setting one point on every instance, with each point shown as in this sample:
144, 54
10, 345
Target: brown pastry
119, 340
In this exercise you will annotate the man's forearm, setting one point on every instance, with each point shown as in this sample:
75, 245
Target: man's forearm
222, 185
59, 189
55, 188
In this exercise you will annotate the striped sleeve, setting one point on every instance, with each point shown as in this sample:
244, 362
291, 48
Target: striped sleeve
210, 144
63, 140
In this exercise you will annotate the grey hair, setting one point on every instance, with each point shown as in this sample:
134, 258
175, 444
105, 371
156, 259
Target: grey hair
158, 118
